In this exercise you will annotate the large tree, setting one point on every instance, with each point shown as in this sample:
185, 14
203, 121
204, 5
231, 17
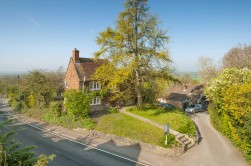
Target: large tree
238, 57
136, 49
207, 69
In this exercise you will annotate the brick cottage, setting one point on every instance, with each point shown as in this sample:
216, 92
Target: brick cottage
78, 75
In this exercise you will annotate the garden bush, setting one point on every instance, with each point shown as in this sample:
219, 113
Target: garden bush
230, 93
113, 110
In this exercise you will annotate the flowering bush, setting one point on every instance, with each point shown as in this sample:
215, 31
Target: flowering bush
227, 78
231, 94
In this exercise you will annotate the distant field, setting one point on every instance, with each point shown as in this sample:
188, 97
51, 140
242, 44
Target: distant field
194, 75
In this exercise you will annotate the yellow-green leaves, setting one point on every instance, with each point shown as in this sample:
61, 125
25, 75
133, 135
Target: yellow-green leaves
231, 93
237, 101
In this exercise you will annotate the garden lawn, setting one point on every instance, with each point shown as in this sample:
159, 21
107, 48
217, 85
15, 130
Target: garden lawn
176, 119
125, 126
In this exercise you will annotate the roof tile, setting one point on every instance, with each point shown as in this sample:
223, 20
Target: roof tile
87, 66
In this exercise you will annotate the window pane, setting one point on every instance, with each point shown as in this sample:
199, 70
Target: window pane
98, 100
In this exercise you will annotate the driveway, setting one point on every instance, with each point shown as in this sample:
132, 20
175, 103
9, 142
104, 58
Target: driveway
213, 150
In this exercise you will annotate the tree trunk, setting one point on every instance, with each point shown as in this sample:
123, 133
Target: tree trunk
137, 72
138, 89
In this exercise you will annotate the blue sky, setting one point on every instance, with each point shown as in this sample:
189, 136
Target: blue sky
42, 33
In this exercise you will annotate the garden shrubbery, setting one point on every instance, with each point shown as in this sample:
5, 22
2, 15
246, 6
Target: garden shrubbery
113, 110
231, 112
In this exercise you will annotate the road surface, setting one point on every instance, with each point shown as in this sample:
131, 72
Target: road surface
68, 153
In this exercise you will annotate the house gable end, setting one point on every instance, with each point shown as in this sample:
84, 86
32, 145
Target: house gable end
71, 77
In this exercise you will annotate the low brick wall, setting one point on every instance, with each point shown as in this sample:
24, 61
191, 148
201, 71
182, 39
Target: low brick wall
175, 151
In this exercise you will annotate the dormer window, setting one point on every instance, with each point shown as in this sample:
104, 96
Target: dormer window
95, 85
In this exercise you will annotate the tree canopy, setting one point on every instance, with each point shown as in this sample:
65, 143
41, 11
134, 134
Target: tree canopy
207, 69
238, 57
36, 89
137, 51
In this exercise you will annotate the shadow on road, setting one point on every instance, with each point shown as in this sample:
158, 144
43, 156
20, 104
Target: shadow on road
70, 152
198, 133
133, 150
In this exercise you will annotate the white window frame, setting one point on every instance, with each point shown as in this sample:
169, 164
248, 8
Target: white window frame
66, 84
95, 85
96, 100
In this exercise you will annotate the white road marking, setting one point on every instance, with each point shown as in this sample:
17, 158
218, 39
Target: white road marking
16, 124
4, 115
94, 146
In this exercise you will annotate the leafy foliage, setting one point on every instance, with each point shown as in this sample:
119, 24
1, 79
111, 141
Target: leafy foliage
36, 89
236, 101
56, 108
68, 121
225, 79
113, 110
12, 153
231, 94
77, 102
137, 52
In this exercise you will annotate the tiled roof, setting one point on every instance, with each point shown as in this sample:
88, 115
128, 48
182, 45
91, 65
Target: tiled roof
87, 66
181, 89
176, 97
179, 92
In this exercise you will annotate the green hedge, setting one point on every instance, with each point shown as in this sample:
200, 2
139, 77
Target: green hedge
237, 135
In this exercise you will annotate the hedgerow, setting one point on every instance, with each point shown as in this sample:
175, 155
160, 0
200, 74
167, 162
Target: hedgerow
231, 95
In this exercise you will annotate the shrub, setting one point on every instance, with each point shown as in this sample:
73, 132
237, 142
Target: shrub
68, 121
56, 108
231, 94
78, 103
13, 153
215, 117
31, 101
88, 123
113, 110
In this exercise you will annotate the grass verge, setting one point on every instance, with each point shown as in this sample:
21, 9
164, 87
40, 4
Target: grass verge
176, 119
116, 124
66, 120
129, 127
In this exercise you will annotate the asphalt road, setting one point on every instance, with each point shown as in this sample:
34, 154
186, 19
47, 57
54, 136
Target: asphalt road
213, 150
68, 153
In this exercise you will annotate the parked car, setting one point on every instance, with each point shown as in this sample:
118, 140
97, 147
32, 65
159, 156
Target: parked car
194, 108
166, 106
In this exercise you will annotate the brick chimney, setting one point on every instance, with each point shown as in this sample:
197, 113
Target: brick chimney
75, 55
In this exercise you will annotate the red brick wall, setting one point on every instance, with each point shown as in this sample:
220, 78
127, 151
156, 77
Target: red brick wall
71, 76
